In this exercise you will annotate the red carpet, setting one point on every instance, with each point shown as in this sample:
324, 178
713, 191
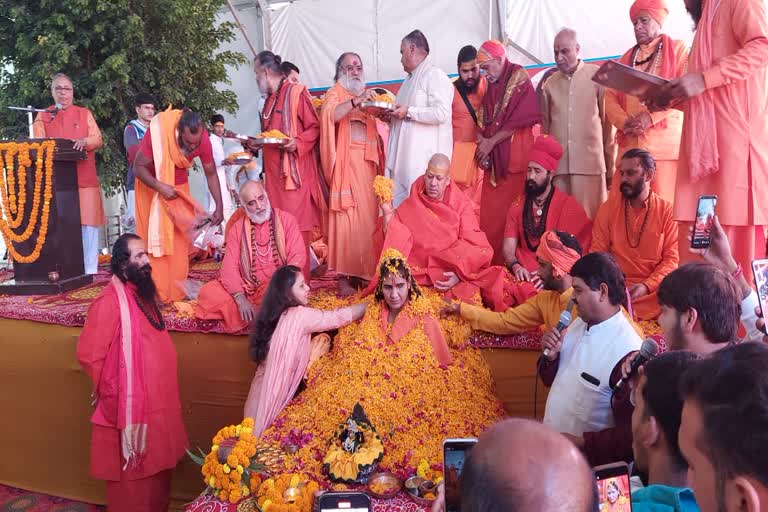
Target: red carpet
19, 500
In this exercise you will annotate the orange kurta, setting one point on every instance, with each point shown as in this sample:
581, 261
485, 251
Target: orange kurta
565, 214
216, 300
350, 167
74, 123
737, 83
617, 228
662, 139
444, 236
464, 169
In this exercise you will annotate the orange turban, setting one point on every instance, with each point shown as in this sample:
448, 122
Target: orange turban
552, 249
546, 152
657, 9
491, 49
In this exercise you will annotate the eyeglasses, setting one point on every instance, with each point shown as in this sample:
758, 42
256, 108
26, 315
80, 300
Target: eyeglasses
62, 89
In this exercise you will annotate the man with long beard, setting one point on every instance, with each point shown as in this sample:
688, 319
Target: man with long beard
636, 127
469, 89
137, 432
509, 110
290, 170
258, 243
636, 226
724, 146
352, 154
543, 208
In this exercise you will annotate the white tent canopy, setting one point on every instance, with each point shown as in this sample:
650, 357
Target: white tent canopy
313, 33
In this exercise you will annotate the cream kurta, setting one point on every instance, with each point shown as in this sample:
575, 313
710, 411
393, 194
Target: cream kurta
428, 94
573, 112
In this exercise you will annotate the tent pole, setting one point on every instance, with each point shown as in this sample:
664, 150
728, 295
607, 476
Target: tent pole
240, 25
266, 23
490, 19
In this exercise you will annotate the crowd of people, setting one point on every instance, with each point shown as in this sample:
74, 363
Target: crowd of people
515, 208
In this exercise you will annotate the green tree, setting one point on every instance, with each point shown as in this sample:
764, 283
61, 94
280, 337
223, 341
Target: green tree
113, 50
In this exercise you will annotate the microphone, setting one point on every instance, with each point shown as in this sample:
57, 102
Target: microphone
54, 111
565, 321
648, 350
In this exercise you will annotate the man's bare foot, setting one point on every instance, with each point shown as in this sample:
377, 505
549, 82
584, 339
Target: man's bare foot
345, 286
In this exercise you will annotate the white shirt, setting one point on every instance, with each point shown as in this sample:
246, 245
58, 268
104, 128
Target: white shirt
428, 94
575, 406
748, 317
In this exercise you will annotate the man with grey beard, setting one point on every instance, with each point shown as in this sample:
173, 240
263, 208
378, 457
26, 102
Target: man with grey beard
260, 239
352, 154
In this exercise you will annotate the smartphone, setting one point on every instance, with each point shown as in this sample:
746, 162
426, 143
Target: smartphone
760, 273
702, 225
344, 502
455, 453
613, 489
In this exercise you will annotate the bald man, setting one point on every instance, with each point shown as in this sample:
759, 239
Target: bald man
259, 240
436, 228
520, 464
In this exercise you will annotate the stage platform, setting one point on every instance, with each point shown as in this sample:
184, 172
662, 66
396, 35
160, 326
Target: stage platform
46, 396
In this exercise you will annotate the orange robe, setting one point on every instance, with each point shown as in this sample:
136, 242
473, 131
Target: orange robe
75, 123
97, 350
170, 269
738, 85
564, 214
444, 236
291, 179
464, 169
350, 167
509, 104
662, 139
216, 299
617, 228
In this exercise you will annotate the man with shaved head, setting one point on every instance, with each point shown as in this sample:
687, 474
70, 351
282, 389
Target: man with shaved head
259, 241
436, 228
522, 465
572, 107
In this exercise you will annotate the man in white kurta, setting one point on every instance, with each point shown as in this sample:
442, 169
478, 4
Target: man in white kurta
421, 124
222, 171
578, 363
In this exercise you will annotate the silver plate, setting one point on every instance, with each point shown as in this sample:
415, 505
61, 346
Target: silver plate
381, 105
242, 160
276, 141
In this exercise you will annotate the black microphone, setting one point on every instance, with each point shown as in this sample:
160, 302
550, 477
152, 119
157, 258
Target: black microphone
54, 111
648, 350
565, 321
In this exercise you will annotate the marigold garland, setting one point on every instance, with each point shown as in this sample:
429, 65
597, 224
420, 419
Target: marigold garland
271, 493
383, 189
13, 205
230, 476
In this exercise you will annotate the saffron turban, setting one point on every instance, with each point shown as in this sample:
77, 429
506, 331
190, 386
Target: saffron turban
656, 9
552, 249
546, 152
491, 49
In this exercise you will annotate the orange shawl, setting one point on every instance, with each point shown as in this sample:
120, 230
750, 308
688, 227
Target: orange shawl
335, 140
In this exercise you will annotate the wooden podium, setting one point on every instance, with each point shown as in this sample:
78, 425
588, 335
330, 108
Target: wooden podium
63, 249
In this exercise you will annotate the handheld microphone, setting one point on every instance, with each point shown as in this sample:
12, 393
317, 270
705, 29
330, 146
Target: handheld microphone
648, 350
565, 321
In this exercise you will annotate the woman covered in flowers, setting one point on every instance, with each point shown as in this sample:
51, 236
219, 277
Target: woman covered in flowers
282, 346
396, 363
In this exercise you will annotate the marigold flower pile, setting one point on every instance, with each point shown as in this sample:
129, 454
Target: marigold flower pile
271, 493
231, 479
383, 189
413, 402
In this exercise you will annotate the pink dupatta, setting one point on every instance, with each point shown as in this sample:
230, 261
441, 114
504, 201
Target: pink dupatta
703, 154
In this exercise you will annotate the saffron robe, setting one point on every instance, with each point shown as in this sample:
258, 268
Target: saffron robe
656, 254
737, 81
76, 122
464, 169
444, 236
243, 270
509, 104
662, 138
564, 214
97, 352
350, 167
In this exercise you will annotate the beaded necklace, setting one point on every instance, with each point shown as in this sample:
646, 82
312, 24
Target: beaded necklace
627, 206
531, 229
157, 321
266, 117
655, 56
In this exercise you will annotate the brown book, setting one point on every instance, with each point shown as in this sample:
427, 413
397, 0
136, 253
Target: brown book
628, 79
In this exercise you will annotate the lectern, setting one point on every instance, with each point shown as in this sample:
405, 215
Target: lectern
59, 267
